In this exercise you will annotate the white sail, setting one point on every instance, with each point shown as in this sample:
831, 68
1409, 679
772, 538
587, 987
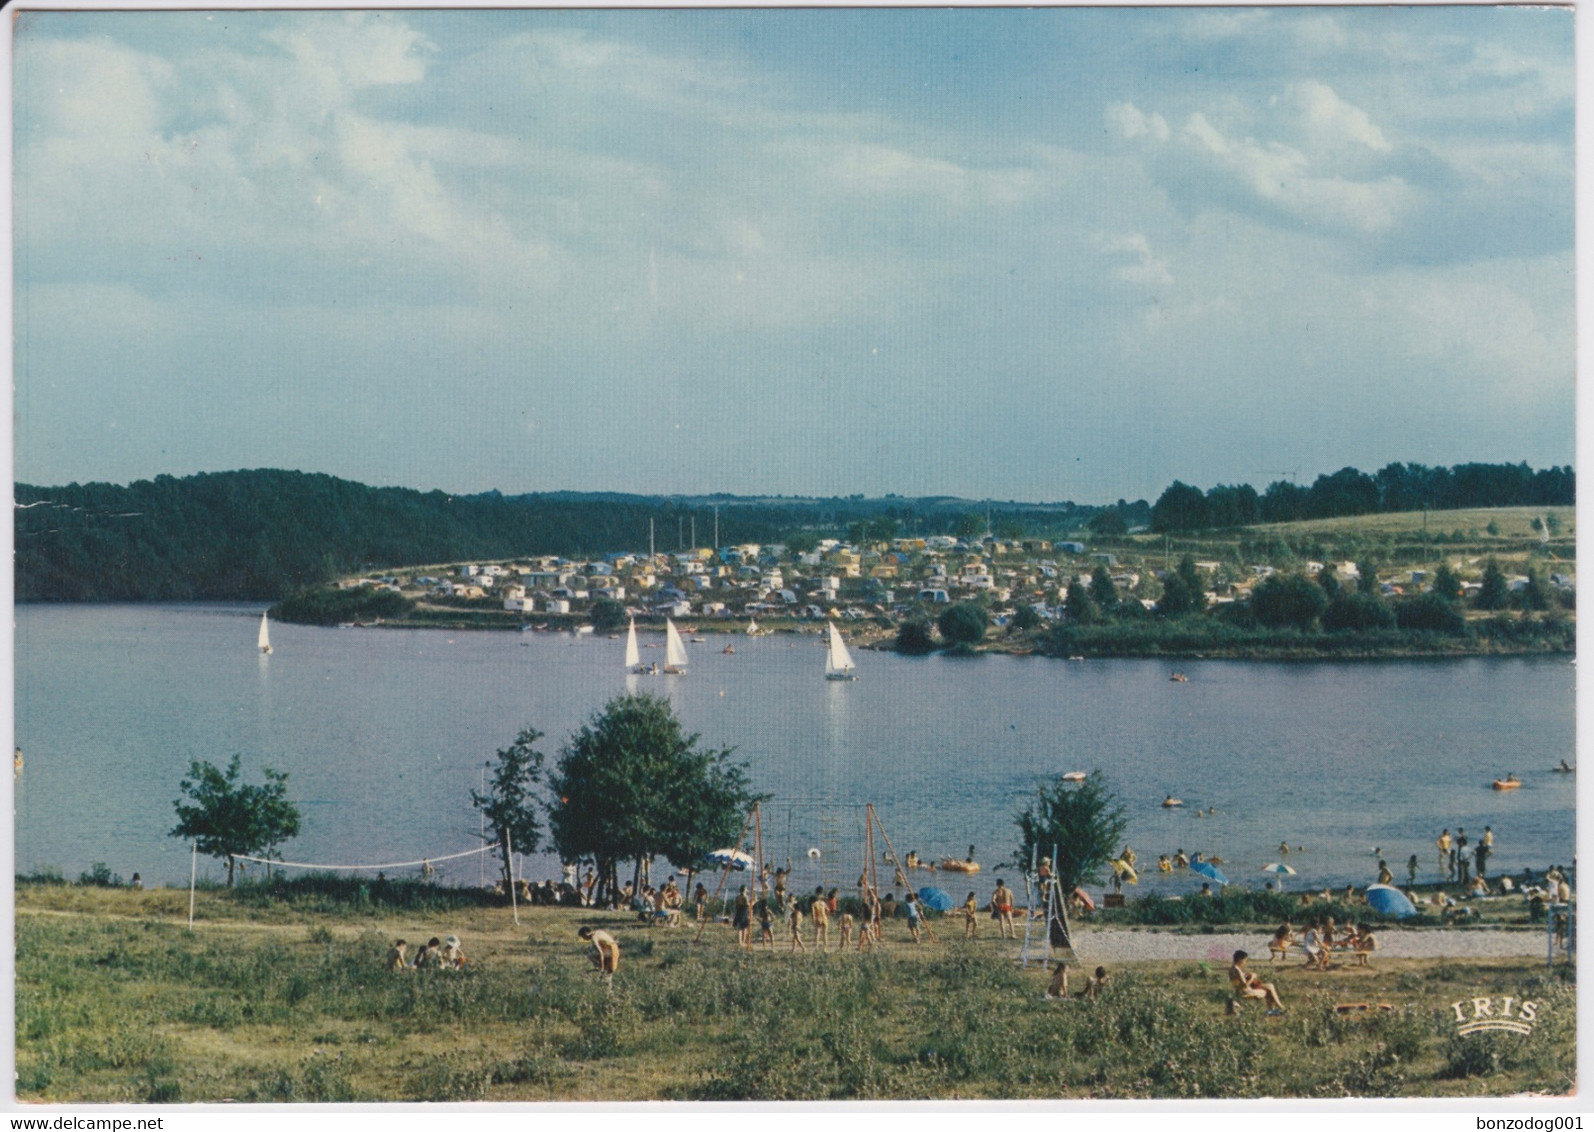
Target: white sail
838, 661
752, 627
265, 636
674, 647
633, 657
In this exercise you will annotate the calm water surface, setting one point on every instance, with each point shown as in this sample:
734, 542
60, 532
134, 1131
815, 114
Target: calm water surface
385, 732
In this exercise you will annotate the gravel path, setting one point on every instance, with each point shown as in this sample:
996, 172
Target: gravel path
1118, 946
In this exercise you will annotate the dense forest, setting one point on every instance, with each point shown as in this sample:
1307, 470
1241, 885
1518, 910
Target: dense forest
264, 534
1395, 487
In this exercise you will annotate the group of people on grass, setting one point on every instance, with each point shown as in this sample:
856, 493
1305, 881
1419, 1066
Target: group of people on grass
433, 955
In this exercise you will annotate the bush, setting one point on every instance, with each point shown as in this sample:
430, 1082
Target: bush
963, 622
915, 637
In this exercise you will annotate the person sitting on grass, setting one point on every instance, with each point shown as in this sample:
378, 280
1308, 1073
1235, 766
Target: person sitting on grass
396, 960
429, 956
1247, 985
1095, 984
452, 957
1478, 887
1058, 987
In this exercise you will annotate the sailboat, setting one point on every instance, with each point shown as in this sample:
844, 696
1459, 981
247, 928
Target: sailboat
674, 650
838, 661
265, 636
633, 655
752, 628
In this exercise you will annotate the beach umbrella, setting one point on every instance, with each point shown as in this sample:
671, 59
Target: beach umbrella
937, 899
731, 858
1209, 871
1279, 870
1388, 900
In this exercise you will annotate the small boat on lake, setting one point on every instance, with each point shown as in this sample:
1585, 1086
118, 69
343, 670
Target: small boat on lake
264, 640
674, 650
1074, 776
1170, 801
1509, 782
838, 661
953, 865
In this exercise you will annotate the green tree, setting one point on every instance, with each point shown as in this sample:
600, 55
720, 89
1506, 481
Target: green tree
1328, 578
1493, 593
226, 819
1366, 577
630, 785
1429, 613
963, 623
1010, 530
1108, 524
915, 637
607, 615
1534, 596
1081, 609
801, 542
1025, 619
1446, 584
1176, 600
1357, 612
510, 804
970, 525
1179, 508
1083, 823
1288, 599
1102, 590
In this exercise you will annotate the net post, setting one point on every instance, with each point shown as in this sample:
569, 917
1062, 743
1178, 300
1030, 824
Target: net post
514, 905
193, 871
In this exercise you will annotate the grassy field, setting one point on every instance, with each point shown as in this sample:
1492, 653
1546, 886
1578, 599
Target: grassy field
117, 1001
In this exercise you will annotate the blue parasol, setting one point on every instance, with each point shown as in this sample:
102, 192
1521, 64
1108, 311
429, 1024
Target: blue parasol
937, 899
730, 858
1209, 871
1387, 900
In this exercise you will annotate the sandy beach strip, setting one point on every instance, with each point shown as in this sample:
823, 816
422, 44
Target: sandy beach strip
1111, 945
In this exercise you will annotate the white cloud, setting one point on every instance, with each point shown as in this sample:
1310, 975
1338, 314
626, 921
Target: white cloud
1128, 121
1144, 269
1328, 120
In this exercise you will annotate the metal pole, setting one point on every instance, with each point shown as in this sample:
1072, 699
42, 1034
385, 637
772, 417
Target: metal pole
514, 907
193, 869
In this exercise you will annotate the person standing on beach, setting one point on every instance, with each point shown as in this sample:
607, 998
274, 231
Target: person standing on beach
742, 920
819, 910
1411, 871
1002, 906
1463, 858
1447, 863
971, 916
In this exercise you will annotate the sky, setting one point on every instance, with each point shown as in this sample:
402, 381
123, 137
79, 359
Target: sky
1015, 254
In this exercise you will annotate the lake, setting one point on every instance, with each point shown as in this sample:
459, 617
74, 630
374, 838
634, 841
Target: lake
384, 733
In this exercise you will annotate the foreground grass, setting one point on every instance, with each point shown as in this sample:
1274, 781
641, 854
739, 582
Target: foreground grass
117, 1001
